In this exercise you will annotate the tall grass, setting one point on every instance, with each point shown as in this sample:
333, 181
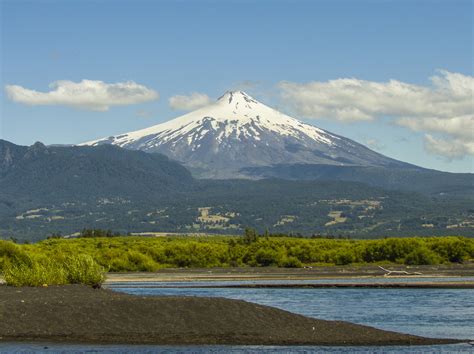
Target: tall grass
34, 274
22, 269
82, 269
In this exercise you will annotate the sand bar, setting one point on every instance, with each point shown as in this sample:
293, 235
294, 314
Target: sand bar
79, 314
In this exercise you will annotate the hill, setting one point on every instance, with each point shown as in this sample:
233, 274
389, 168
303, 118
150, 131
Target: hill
47, 190
430, 182
49, 174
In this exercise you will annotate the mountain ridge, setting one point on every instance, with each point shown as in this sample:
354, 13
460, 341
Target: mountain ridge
49, 189
425, 181
48, 171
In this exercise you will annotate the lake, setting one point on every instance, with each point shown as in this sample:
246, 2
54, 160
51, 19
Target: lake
425, 312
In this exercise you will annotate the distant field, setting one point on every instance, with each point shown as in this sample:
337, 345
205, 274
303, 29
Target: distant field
135, 253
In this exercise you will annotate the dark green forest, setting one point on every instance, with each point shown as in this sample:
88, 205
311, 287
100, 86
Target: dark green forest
61, 190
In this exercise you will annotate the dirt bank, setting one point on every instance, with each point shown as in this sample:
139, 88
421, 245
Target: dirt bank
81, 314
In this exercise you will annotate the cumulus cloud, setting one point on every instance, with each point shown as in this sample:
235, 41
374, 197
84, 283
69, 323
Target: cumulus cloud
187, 103
449, 148
86, 94
444, 108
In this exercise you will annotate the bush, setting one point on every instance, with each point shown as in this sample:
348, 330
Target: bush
390, 250
343, 258
302, 253
82, 269
422, 256
267, 257
453, 250
141, 262
291, 262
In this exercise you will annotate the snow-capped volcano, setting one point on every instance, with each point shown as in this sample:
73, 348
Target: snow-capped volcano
236, 132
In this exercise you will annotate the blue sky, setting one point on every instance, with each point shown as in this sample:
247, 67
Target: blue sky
180, 47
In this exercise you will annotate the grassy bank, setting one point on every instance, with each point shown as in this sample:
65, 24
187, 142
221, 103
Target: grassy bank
82, 260
26, 267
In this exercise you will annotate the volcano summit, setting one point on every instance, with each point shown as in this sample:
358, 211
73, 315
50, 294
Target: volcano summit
238, 132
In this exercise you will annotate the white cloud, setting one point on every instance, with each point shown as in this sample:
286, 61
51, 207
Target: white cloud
458, 126
188, 103
444, 108
86, 94
457, 134
448, 148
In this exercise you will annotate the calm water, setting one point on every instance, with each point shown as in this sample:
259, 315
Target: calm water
370, 280
426, 312
42, 348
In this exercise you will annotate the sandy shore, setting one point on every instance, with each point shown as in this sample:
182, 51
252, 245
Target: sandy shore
381, 285
288, 274
273, 273
78, 314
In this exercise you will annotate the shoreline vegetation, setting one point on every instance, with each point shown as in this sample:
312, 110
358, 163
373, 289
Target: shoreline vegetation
80, 314
84, 260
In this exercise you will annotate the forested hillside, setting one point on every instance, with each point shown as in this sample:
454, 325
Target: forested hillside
46, 190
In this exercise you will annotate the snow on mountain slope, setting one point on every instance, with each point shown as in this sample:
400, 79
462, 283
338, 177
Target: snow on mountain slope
237, 131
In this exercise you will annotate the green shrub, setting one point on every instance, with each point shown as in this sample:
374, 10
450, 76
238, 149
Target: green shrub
391, 250
120, 265
267, 257
422, 256
454, 250
291, 262
82, 269
343, 258
141, 262
301, 252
